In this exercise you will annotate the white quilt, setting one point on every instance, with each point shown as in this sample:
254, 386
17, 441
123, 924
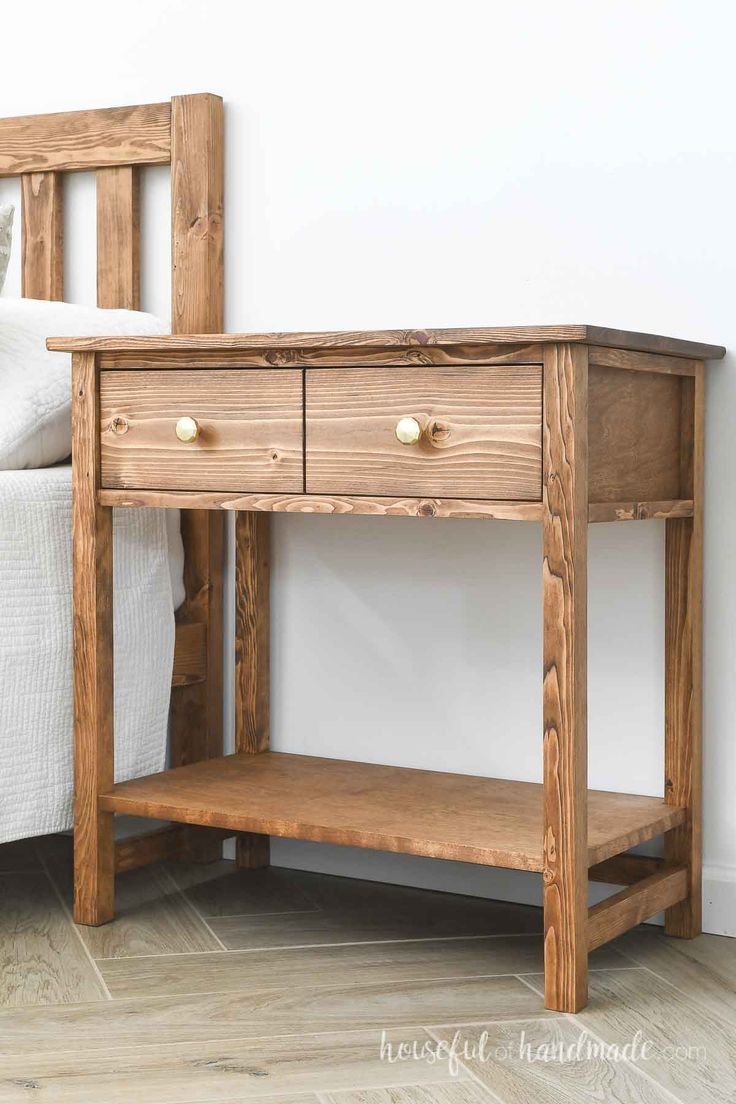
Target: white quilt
36, 648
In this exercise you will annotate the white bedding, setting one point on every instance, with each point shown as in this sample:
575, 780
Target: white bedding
36, 427
36, 646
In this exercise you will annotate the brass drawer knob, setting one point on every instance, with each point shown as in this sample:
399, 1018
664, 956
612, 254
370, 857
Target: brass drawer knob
187, 430
408, 431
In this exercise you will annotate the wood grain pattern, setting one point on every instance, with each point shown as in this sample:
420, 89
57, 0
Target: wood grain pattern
390, 339
389, 507
93, 657
190, 654
625, 869
118, 238
168, 842
640, 511
687, 436
631, 906
652, 343
42, 236
536, 1062
627, 1001
197, 174
118, 286
263, 1012
41, 960
194, 142
356, 964
601, 357
83, 140
194, 715
133, 852
252, 657
481, 432
114, 142
359, 356
634, 436
197, 306
250, 430
683, 675
326, 504
237, 1072
483, 820
564, 571
456, 1092
152, 917
704, 968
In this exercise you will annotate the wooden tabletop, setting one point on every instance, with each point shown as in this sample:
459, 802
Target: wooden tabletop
500, 335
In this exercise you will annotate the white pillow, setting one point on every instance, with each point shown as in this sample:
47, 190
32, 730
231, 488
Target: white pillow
6, 237
35, 385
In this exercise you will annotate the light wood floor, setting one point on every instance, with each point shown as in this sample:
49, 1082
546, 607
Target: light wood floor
279, 986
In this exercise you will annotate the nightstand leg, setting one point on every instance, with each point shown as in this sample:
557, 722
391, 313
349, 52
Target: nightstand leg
683, 667
94, 856
565, 531
252, 671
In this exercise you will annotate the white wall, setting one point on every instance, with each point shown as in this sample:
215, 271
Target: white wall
425, 164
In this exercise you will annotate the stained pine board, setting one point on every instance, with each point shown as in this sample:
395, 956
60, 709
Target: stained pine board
482, 820
595, 335
76, 140
481, 432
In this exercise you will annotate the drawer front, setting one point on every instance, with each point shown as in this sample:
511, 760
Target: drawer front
481, 432
249, 426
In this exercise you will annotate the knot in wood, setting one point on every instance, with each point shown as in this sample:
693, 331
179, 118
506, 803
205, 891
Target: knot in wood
439, 431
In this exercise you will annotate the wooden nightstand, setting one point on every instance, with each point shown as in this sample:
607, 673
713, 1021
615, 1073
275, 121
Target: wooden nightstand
559, 424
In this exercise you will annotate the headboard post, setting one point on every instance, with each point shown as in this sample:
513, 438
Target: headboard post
197, 171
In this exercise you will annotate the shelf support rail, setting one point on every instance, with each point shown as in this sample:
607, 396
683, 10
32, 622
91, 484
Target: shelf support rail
637, 902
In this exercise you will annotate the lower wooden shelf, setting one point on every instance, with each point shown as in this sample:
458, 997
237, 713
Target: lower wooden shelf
490, 821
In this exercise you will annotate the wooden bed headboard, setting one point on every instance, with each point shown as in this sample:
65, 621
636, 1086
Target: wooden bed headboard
115, 143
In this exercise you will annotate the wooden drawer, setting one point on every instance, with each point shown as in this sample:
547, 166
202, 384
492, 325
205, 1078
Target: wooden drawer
481, 431
250, 430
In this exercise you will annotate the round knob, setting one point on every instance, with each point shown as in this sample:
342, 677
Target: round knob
408, 431
187, 430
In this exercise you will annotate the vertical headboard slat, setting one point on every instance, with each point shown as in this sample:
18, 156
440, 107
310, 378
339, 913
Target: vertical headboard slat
42, 232
118, 237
